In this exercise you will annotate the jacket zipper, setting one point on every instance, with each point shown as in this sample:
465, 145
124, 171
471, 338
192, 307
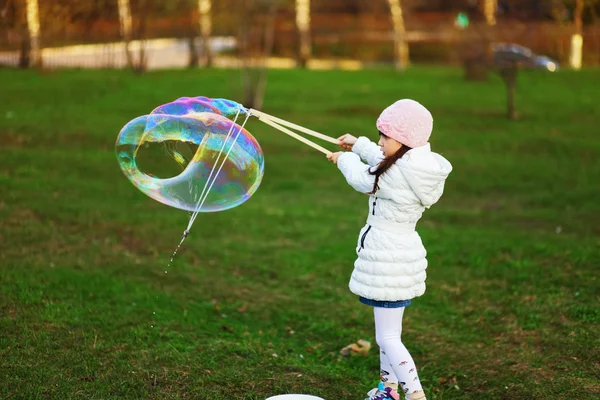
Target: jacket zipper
362, 239
364, 236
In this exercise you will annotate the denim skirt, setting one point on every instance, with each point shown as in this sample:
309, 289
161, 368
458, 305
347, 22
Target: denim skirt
385, 304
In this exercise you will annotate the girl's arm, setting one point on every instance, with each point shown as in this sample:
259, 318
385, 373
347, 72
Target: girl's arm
356, 172
368, 151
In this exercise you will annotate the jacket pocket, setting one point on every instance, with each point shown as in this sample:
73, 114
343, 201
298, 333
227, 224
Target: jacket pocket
362, 239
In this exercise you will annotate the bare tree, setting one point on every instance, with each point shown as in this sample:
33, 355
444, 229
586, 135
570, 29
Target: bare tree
204, 11
489, 8
255, 47
489, 11
303, 28
575, 55
476, 44
142, 12
125, 24
560, 12
400, 42
31, 53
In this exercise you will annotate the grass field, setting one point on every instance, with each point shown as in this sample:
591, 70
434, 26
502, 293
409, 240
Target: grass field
256, 302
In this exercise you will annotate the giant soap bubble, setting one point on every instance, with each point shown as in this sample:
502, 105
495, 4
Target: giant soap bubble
174, 154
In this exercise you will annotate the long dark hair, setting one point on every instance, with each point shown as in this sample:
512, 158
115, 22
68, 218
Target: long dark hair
386, 163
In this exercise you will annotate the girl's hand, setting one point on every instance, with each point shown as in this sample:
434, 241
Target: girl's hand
333, 157
346, 141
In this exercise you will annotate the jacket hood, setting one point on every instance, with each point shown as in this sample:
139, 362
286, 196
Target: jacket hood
425, 172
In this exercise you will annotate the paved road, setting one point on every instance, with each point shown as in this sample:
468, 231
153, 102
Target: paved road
161, 53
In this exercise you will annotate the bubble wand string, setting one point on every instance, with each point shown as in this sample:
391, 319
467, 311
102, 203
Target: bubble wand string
207, 186
202, 200
269, 120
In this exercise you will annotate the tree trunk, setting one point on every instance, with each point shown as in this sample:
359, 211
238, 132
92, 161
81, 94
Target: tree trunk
31, 53
400, 43
204, 10
509, 75
575, 56
303, 27
578, 16
125, 26
489, 11
193, 59
142, 64
254, 70
489, 36
269, 39
477, 48
25, 54
244, 49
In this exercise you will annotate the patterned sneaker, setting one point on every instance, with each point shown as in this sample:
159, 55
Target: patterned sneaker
382, 393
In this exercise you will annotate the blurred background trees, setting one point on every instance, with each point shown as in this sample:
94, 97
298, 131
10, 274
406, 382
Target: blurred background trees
369, 31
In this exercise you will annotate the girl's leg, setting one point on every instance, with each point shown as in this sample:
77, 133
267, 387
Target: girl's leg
388, 330
387, 374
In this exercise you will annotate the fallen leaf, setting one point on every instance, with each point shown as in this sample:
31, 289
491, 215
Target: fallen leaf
362, 347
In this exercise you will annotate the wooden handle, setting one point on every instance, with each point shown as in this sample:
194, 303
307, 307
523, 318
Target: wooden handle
294, 126
275, 125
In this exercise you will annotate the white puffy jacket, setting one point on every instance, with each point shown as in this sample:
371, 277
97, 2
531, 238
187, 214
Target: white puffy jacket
391, 260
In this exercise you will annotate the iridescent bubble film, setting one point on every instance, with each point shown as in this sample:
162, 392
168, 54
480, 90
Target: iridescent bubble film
169, 154
191, 105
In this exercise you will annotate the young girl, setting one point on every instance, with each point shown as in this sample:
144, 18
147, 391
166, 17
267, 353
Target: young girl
403, 178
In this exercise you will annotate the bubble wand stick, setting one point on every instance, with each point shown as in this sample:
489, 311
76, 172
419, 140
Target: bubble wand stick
275, 123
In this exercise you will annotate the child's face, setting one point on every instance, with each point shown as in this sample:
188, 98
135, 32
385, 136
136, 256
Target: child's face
388, 145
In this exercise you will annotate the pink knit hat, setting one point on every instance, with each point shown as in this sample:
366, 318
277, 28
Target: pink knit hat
406, 121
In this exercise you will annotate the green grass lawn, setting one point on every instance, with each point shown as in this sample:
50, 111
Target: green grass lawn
256, 302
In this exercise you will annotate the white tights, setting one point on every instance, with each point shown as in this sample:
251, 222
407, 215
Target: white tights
397, 366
